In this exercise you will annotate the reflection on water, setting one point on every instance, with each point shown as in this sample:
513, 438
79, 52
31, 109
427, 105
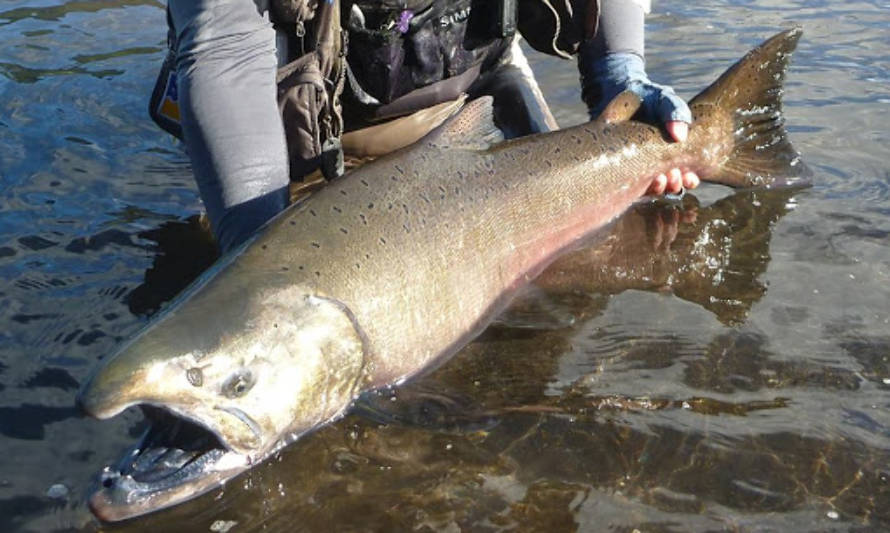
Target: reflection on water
717, 363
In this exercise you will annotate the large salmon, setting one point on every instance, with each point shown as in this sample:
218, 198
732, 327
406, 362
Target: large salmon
395, 266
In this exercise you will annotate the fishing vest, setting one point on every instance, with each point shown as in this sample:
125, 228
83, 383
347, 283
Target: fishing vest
394, 57
421, 53
407, 55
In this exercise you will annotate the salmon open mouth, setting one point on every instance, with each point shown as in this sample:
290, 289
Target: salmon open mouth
175, 460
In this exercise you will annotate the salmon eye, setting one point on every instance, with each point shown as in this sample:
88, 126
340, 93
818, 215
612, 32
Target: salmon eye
238, 384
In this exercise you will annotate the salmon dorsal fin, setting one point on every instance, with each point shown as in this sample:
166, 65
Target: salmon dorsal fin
472, 128
620, 109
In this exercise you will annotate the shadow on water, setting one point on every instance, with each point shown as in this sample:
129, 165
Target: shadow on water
185, 249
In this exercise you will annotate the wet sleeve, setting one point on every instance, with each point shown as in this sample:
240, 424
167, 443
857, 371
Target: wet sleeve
226, 66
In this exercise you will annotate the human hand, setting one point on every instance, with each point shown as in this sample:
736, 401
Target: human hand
676, 179
613, 73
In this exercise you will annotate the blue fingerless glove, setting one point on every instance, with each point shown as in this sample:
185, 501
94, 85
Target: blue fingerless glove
605, 77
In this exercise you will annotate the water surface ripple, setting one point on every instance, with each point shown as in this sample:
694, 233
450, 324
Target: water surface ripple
716, 364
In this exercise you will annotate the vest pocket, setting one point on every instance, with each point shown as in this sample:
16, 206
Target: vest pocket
301, 98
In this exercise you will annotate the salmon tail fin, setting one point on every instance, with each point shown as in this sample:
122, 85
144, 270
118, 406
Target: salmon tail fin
750, 92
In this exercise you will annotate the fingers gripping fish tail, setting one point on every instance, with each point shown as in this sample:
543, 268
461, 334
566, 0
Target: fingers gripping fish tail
750, 93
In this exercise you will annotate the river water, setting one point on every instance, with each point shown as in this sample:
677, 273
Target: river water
717, 364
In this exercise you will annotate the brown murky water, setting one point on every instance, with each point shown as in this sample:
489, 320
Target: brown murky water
716, 364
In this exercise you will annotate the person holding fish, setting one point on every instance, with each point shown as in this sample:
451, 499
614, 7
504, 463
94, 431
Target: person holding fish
365, 77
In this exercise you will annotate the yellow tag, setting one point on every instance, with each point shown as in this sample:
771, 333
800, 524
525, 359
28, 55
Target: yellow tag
169, 106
